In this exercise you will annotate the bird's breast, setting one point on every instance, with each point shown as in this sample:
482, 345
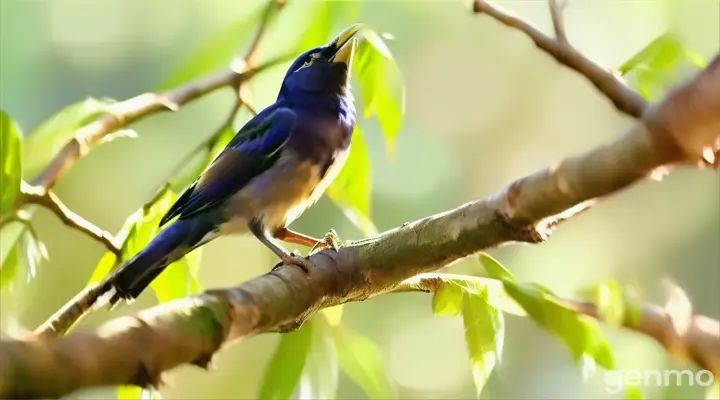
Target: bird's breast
281, 194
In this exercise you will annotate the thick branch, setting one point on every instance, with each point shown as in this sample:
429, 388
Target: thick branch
137, 350
624, 98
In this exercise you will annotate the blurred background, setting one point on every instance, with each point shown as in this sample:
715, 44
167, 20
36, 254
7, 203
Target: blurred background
484, 107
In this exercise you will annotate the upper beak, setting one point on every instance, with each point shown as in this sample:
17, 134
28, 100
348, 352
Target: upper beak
346, 44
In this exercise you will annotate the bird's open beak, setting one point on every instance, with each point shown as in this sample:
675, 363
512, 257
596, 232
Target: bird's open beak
345, 43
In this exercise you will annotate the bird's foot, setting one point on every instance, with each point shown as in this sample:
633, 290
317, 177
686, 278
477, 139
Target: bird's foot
294, 258
331, 240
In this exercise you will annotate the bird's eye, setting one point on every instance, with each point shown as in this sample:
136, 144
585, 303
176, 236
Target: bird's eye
310, 61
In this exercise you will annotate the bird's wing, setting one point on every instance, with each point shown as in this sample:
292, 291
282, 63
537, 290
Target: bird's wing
251, 152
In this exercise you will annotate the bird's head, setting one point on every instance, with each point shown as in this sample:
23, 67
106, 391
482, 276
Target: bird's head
323, 71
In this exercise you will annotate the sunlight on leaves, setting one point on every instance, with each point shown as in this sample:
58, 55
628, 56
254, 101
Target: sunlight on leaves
382, 89
364, 363
609, 298
215, 52
580, 333
494, 269
9, 268
655, 68
319, 378
484, 323
484, 336
132, 392
285, 368
43, 142
447, 300
333, 315
351, 189
11, 167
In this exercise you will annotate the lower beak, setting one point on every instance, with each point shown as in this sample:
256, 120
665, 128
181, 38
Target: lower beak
345, 54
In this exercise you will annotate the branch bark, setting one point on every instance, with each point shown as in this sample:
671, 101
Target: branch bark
138, 349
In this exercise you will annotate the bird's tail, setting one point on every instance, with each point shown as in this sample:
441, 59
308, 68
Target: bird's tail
170, 245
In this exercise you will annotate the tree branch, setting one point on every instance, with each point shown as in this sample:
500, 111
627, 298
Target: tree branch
556, 10
624, 98
138, 349
48, 199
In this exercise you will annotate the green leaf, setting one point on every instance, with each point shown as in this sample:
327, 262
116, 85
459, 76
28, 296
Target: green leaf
633, 392
494, 269
132, 392
484, 335
286, 366
655, 67
11, 166
580, 333
364, 363
350, 190
382, 89
447, 300
45, 141
10, 267
215, 52
610, 302
319, 378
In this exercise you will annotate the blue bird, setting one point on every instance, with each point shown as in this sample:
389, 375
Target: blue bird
275, 167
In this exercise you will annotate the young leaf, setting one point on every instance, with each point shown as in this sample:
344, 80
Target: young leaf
319, 378
287, 364
50, 136
610, 301
494, 269
655, 67
132, 392
447, 300
579, 333
484, 335
217, 51
382, 89
10, 267
364, 363
11, 164
351, 188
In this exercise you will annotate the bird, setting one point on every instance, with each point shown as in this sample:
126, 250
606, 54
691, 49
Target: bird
275, 167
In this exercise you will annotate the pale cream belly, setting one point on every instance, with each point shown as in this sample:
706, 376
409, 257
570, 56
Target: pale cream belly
280, 195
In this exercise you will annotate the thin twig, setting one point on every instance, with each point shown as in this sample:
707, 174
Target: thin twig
624, 98
48, 199
556, 12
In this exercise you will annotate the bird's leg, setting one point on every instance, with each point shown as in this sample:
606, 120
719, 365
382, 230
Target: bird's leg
265, 238
331, 239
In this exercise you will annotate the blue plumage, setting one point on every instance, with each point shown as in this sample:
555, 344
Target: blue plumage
276, 166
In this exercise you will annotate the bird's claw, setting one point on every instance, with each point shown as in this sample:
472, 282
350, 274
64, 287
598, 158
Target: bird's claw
294, 258
331, 240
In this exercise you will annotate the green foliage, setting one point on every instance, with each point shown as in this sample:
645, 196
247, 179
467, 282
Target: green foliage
23, 258
217, 51
351, 188
45, 141
11, 166
132, 392
484, 323
381, 86
287, 363
609, 299
180, 278
364, 363
655, 67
